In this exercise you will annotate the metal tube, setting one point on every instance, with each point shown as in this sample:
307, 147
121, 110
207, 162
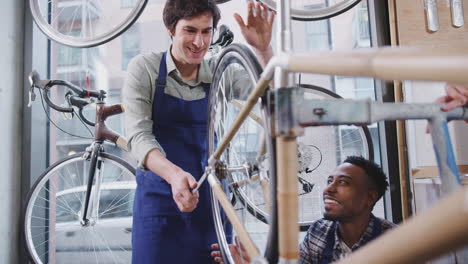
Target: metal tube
448, 170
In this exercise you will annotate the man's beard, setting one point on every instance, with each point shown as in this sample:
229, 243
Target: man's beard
329, 217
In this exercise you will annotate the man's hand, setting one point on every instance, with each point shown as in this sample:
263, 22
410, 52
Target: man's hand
181, 184
456, 95
258, 30
238, 253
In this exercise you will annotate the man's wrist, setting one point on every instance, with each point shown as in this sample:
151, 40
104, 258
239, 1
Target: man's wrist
174, 174
267, 51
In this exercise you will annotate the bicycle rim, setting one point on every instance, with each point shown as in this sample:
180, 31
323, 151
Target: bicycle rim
243, 162
53, 231
307, 10
84, 24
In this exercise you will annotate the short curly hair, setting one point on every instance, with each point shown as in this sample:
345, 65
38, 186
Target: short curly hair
175, 10
373, 171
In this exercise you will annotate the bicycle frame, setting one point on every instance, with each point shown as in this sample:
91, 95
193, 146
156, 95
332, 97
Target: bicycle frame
381, 63
101, 133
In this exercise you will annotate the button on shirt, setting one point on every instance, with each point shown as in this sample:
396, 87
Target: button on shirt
313, 246
138, 94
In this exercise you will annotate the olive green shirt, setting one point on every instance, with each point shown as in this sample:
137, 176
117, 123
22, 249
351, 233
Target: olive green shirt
138, 95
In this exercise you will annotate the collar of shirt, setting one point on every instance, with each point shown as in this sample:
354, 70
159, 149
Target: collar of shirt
365, 237
204, 72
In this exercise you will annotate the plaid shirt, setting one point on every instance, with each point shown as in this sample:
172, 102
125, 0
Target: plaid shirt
311, 249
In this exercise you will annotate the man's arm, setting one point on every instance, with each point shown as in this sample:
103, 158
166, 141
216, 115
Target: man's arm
258, 30
137, 96
181, 181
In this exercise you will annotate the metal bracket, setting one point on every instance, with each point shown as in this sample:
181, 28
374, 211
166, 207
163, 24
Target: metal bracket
286, 109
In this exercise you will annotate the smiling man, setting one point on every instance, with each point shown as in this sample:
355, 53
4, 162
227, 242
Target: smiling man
348, 224
166, 99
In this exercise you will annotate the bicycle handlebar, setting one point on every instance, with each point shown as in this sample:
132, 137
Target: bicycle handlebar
225, 37
46, 85
76, 97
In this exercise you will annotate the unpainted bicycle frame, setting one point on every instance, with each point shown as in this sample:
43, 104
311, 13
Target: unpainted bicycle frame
294, 112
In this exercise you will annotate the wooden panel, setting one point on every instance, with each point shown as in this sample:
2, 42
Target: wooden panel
433, 171
412, 25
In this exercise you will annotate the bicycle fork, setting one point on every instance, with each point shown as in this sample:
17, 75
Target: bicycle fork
89, 212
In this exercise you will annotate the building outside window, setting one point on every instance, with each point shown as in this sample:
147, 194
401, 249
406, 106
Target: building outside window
130, 45
128, 3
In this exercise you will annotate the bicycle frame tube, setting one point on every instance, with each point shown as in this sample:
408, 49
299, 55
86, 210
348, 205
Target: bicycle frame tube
381, 63
91, 174
313, 112
101, 132
95, 193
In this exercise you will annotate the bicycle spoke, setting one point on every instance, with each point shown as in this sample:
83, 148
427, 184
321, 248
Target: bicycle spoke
52, 217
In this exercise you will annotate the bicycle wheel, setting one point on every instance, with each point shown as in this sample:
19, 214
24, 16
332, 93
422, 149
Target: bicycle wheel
243, 162
53, 230
247, 162
307, 10
84, 24
221, 1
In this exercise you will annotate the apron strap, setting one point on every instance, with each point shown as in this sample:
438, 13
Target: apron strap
161, 80
159, 88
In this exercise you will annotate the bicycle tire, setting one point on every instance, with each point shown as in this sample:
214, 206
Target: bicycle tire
299, 12
235, 59
219, 2
86, 32
52, 228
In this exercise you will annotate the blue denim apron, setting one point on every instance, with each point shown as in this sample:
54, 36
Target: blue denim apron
161, 233
327, 254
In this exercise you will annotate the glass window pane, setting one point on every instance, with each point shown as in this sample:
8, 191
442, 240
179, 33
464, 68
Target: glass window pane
130, 45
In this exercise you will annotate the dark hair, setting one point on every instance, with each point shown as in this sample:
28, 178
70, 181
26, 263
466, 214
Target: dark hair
175, 10
373, 171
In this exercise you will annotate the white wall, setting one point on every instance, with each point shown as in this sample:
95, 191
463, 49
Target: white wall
11, 76
420, 148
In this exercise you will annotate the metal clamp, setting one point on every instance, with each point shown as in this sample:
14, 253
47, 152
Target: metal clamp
286, 110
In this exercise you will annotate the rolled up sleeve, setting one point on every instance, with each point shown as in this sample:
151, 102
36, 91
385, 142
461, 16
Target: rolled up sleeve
138, 102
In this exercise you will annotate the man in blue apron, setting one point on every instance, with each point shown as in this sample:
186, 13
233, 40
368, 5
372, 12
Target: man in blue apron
348, 224
165, 96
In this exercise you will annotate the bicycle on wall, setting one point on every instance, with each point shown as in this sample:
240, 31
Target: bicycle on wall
80, 208
84, 24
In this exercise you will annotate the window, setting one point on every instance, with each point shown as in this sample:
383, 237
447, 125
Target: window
67, 56
317, 35
317, 32
364, 87
361, 31
130, 45
128, 3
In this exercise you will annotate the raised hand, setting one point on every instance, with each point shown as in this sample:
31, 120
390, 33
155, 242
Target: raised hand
258, 29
